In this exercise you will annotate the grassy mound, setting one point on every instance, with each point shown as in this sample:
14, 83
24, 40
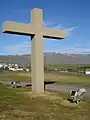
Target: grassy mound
22, 104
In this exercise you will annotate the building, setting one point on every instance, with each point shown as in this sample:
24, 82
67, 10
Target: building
27, 70
87, 71
2, 65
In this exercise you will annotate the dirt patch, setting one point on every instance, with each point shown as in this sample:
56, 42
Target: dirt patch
66, 103
50, 76
46, 95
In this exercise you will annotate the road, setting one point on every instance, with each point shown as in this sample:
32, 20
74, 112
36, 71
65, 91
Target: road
58, 87
68, 88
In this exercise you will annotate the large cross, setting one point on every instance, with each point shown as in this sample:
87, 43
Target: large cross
37, 31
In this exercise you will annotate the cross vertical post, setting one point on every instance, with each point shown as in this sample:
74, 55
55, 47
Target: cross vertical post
37, 60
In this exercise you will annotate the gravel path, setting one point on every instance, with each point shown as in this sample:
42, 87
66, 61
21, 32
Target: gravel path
68, 88
58, 87
21, 83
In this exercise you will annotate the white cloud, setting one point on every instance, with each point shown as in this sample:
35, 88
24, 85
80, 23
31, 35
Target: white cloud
21, 48
24, 48
70, 50
18, 46
52, 24
68, 31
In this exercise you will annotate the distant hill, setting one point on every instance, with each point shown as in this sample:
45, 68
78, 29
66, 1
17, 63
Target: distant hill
50, 58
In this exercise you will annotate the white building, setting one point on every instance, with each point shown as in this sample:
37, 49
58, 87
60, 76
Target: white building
87, 71
12, 69
2, 65
19, 69
15, 69
27, 70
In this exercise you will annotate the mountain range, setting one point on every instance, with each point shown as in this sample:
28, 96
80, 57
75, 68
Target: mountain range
49, 58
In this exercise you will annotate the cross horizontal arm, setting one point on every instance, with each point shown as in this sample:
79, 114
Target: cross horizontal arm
53, 33
18, 28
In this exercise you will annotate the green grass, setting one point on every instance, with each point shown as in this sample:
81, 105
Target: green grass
58, 77
68, 78
79, 79
21, 104
22, 76
63, 66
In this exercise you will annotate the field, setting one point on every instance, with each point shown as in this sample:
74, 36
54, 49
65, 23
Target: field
21, 104
49, 76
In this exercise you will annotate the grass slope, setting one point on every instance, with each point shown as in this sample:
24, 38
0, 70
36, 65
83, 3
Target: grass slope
21, 104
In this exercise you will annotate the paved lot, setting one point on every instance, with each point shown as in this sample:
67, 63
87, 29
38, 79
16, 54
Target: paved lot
68, 88
58, 87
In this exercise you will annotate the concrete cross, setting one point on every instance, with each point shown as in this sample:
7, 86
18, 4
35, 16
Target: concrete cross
37, 31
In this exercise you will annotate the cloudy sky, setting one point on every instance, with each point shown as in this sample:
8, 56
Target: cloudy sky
71, 15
